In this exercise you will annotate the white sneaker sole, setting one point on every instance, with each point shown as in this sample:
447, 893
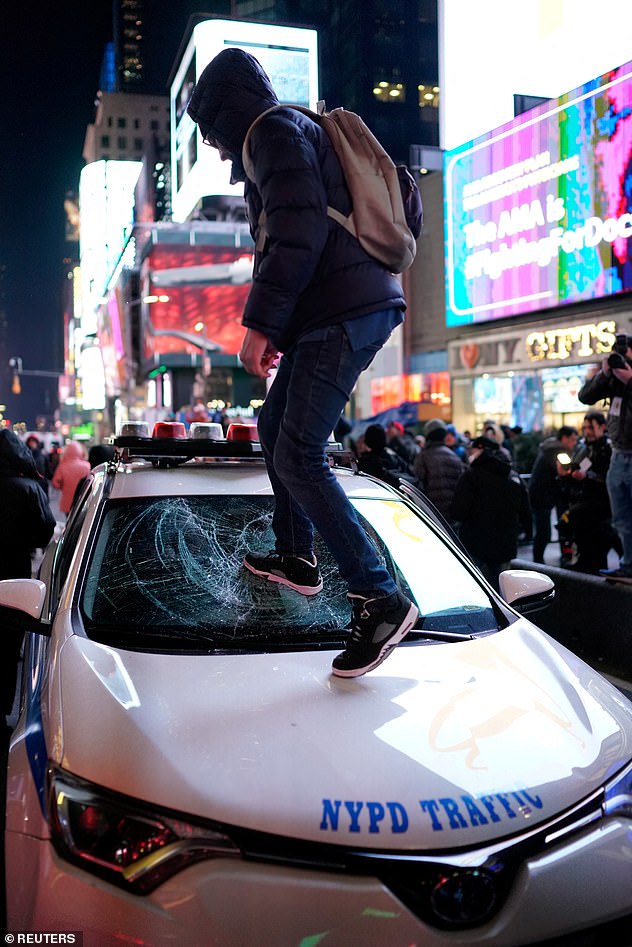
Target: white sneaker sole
407, 625
282, 580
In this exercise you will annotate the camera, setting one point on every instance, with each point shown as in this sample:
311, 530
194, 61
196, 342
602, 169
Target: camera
617, 358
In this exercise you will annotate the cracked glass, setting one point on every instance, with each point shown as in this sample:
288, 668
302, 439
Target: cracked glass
168, 571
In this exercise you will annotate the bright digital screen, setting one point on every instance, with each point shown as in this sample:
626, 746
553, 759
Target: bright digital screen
538, 212
288, 54
492, 50
492, 396
198, 295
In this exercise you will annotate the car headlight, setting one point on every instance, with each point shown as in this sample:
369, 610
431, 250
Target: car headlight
121, 840
618, 794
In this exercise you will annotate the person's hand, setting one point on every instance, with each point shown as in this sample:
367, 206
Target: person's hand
258, 355
605, 368
578, 475
623, 374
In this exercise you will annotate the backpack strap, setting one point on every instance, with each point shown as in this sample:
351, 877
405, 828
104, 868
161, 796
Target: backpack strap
345, 221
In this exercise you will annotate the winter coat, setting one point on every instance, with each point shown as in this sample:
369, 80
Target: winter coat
592, 489
545, 489
438, 470
27, 520
71, 469
603, 387
492, 505
309, 272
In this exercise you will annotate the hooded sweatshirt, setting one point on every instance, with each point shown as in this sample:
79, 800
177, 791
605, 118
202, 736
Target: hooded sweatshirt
309, 273
72, 468
27, 520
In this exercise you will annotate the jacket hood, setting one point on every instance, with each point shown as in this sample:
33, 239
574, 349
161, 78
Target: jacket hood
15, 457
72, 451
231, 93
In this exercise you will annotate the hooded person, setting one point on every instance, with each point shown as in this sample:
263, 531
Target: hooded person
491, 507
27, 524
321, 300
72, 468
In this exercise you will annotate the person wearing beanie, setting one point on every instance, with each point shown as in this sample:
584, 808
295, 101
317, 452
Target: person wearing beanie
490, 506
377, 460
402, 443
437, 468
319, 309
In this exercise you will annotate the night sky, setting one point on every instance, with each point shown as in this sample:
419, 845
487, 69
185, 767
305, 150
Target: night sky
50, 59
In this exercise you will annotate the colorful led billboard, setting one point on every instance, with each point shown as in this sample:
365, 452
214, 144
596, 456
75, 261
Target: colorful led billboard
538, 212
194, 296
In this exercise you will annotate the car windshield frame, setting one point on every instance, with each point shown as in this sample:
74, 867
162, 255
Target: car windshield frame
159, 565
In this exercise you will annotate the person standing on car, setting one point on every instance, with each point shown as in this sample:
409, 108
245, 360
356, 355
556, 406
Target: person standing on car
27, 523
546, 490
322, 301
491, 507
612, 381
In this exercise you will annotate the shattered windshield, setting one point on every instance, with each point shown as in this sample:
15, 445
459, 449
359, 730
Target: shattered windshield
170, 569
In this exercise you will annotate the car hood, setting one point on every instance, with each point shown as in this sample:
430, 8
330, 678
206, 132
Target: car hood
445, 745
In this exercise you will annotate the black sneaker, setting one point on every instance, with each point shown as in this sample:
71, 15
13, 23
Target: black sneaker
299, 574
377, 625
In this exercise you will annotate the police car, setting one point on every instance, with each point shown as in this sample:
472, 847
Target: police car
185, 769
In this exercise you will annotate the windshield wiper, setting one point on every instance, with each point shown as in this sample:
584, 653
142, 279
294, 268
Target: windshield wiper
442, 635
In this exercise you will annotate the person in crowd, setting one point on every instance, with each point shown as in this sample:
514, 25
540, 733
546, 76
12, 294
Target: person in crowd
547, 491
72, 468
455, 442
317, 297
614, 383
379, 460
438, 468
490, 507
399, 440
27, 523
197, 412
100, 454
41, 460
494, 431
588, 518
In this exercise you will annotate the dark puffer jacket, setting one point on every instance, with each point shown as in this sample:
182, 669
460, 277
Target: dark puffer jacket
310, 272
492, 505
26, 517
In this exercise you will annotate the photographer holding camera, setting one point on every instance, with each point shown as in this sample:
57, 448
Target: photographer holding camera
613, 382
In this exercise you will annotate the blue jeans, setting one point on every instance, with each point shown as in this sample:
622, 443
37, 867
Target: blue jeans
312, 386
619, 483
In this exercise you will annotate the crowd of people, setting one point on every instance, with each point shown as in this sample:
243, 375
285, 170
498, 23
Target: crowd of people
494, 503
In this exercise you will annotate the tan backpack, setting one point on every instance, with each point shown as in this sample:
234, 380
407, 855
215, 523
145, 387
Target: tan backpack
386, 216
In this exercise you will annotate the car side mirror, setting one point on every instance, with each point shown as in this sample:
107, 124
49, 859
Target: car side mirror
525, 590
21, 604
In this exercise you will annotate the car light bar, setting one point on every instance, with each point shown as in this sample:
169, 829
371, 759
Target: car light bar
169, 444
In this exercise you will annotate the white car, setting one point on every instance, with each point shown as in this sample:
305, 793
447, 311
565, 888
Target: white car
186, 771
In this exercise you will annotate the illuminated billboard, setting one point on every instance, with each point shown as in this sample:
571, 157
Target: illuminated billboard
194, 297
288, 54
491, 50
538, 212
106, 196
